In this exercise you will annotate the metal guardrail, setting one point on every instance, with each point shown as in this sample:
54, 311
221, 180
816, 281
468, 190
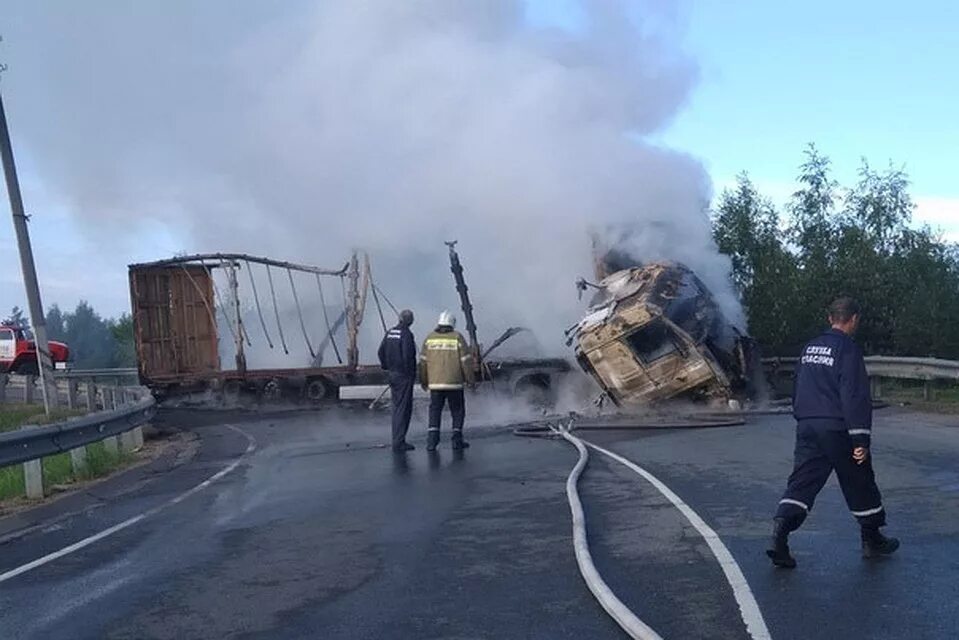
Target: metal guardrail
889, 367
129, 372
33, 442
115, 416
25, 389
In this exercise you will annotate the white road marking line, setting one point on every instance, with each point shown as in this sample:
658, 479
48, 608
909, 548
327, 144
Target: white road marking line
748, 607
106, 533
618, 611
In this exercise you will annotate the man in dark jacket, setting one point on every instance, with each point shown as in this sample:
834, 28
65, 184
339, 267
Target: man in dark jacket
446, 366
397, 355
833, 409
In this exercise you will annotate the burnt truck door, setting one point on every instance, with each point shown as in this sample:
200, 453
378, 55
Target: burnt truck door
669, 359
660, 353
173, 321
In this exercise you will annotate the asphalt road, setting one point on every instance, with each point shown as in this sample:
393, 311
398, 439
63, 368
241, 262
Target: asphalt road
318, 533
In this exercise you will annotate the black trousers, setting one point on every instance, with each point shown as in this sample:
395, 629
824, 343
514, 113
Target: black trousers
457, 401
401, 396
823, 446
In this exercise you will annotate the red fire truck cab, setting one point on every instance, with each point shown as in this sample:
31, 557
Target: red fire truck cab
18, 352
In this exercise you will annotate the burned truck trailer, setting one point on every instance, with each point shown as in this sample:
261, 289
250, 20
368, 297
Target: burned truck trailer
655, 332
176, 303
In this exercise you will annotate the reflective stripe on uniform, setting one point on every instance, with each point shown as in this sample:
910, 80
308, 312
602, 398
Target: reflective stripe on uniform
860, 432
795, 502
867, 512
445, 387
443, 345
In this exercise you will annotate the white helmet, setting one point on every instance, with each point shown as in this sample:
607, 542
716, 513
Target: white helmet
447, 319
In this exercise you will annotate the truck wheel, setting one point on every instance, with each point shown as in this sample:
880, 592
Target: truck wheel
27, 368
318, 390
272, 391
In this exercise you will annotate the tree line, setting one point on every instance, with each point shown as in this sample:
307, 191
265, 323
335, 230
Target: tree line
789, 262
95, 342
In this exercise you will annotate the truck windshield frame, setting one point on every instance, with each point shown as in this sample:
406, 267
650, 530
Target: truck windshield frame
652, 342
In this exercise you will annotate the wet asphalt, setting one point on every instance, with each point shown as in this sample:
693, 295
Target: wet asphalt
323, 533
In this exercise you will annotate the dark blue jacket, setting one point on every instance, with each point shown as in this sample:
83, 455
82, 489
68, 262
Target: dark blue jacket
397, 352
832, 383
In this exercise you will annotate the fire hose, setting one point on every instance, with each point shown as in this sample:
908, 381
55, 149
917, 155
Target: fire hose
607, 599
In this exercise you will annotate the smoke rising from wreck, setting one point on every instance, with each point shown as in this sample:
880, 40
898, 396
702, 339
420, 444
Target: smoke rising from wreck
301, 130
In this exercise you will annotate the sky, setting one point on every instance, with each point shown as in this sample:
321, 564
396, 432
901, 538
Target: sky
860, 79
872, 79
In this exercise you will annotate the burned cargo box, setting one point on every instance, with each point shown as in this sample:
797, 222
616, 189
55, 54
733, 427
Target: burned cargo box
655, 332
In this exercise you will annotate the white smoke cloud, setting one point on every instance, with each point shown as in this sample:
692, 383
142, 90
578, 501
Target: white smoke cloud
303, 129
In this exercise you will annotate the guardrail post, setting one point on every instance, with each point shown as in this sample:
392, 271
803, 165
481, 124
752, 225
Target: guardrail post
110, 444
927, 392
33, 479
91, 396
4, 378
78, 459
28, 390
137, 434
73, 390
876, 387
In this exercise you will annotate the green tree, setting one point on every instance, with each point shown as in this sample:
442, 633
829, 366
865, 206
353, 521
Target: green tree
56, 330
859, 241
89, 337
747, 228
16, 319
813, 209
124, 354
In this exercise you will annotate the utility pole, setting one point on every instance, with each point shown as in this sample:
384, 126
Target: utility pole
45, 364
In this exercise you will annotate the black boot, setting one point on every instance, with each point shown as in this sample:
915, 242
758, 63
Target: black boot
876, 545
778, 550
458, 442
432, 439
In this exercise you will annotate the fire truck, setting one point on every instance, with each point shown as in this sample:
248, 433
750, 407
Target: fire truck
18, 351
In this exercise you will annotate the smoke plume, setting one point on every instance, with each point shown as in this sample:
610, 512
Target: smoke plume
302, 129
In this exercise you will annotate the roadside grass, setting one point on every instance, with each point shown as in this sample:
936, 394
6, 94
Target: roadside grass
943, 395
58, 469
14, 416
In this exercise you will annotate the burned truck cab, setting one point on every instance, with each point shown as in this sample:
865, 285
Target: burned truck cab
655, 332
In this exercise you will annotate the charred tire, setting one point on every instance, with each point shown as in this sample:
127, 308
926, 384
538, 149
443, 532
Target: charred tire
319, 390
272, 390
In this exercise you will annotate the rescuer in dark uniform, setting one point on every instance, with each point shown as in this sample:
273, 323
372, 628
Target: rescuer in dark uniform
833, 409
397, 355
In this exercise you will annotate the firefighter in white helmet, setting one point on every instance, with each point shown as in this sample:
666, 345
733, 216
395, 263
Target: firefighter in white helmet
446, 367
